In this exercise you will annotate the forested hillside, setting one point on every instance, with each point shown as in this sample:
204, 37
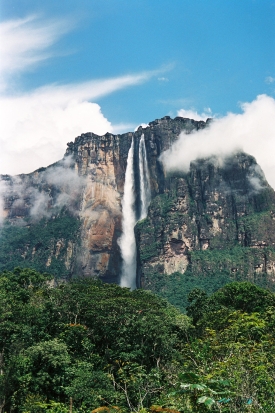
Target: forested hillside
105, 348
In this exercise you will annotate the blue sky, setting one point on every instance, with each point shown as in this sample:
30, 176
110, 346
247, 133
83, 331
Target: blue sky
159, 57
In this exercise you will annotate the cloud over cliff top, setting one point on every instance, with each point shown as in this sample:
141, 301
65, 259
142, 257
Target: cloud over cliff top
252, 131
193, 114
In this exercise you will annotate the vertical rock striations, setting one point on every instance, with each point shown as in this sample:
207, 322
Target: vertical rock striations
213, 224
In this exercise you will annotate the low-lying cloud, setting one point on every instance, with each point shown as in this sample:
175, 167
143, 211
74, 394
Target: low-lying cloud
252, 131
42, 194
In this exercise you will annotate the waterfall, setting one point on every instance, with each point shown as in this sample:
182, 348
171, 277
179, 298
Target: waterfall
145, 191
127, 241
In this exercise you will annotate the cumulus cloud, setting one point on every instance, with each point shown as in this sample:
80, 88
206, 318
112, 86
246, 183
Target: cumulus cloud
193, 114
34, 133
252, 131
36, 125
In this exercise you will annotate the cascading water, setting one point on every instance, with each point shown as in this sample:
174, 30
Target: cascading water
127, 240
145, 191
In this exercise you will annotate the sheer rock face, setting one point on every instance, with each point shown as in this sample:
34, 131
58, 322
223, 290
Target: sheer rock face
214, 219
66, 219
102, 160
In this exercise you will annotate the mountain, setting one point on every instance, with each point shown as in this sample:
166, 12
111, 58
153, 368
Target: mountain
204, 227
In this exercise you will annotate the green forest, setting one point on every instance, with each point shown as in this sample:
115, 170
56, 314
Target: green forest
84, 346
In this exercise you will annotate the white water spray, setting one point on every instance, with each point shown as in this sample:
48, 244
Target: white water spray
145, 191
127, 241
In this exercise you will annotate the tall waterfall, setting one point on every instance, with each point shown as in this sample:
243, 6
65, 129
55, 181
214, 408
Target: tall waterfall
145, 191
127, 240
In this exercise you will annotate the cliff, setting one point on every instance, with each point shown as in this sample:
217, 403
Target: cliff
66, 219
212, 224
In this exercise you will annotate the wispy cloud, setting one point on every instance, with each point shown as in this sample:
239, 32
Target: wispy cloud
26, 42
92, 89
36, 125
269, 79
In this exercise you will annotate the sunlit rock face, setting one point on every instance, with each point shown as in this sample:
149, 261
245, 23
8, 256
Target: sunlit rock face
67, 219
103, 161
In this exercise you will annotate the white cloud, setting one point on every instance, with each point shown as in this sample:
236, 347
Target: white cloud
39, 201
253, 131
143, 125
34, 133
92, 89
35, 126
193, 114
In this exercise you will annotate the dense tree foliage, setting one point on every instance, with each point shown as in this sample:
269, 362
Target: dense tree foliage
106, 348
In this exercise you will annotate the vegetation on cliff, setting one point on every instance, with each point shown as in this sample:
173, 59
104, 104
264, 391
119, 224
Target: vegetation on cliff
212, 225
110, 349
207, 226
48, 243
